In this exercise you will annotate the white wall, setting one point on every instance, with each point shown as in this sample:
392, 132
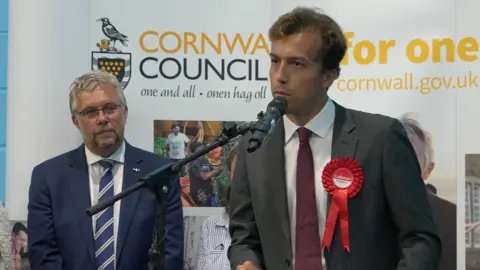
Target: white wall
48, 48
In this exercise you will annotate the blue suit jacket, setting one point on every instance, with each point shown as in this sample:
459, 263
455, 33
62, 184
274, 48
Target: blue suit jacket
60, 234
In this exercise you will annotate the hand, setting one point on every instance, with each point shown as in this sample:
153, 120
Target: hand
472, 226
248, 265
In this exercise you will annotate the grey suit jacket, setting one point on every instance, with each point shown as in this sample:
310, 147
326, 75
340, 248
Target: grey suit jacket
391, 222
445, 214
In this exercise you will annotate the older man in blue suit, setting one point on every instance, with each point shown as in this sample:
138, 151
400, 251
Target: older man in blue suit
61, 235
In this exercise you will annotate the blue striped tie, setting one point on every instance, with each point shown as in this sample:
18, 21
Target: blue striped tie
104, 238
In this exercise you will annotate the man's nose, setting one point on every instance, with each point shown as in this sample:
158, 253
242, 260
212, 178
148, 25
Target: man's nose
101, 117
281, 74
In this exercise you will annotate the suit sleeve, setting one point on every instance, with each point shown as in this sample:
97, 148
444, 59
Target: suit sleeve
42, 246
408, 202
174, 226
245, 245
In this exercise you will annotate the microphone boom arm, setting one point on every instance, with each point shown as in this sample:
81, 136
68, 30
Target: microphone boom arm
158, 182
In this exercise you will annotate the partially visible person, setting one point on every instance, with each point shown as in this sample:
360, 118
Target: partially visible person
19, 244
278, 203
187, 200
445, 212
471, 226
203, 172
215, 238
62, 236
6, 249
177, 144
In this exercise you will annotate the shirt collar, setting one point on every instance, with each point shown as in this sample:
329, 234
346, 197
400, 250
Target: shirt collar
320, 124
118, 156
222, 219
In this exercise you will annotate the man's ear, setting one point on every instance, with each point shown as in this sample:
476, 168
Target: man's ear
329, 77
428, 170
75, 121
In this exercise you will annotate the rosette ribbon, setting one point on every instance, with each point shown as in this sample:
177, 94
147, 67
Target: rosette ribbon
342, 178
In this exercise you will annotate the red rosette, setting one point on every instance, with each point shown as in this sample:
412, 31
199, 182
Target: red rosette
342, 178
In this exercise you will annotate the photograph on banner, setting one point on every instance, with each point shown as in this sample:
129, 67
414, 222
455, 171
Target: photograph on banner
192, 229
18, 244
205, 181
469, 161
13, 243
468, 39
472, 211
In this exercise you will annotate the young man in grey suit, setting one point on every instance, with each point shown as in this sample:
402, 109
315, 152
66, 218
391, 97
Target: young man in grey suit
278, 203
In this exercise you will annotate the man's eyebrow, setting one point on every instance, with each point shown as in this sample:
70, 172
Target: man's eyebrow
272, 55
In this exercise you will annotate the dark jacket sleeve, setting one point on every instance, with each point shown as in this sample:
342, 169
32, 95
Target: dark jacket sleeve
245, 244
408, 202
445, 214
42, 246
174, 228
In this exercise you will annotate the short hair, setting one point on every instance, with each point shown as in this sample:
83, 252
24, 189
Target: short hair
90, 82
334, 46
19, 227
415, 129
194, 146
174, 125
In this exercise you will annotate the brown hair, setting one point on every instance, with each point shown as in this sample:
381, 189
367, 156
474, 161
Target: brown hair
334, 46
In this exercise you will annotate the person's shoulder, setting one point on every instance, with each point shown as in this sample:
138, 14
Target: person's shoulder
57, 160
369, 120
373, 123
214, 220
208, 222
146, 155
441, 202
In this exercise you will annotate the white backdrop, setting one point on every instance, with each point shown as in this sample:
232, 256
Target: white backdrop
48, 48
395, 64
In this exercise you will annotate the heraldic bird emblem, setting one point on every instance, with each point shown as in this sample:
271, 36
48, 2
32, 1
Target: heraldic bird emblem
111, 32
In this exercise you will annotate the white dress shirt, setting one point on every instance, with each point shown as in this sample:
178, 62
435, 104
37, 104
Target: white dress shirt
95, 171
321, 144
214, 242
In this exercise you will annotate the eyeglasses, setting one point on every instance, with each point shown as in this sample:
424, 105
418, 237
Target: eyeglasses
108, 109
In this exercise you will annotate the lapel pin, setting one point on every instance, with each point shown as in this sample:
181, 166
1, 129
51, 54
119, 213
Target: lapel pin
136, 169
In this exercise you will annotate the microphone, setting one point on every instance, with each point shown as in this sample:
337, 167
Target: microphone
266, 123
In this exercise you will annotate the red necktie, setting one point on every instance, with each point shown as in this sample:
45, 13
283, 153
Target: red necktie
308, 251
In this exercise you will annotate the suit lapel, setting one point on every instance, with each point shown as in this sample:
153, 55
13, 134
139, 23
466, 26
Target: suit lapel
275, 171
129, 203
79, 188
344, 144
344, 140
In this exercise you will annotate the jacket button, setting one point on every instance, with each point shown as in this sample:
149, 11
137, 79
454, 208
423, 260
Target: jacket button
287, 262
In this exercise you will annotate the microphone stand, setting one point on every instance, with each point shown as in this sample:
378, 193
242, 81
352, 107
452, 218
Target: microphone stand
158, 183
